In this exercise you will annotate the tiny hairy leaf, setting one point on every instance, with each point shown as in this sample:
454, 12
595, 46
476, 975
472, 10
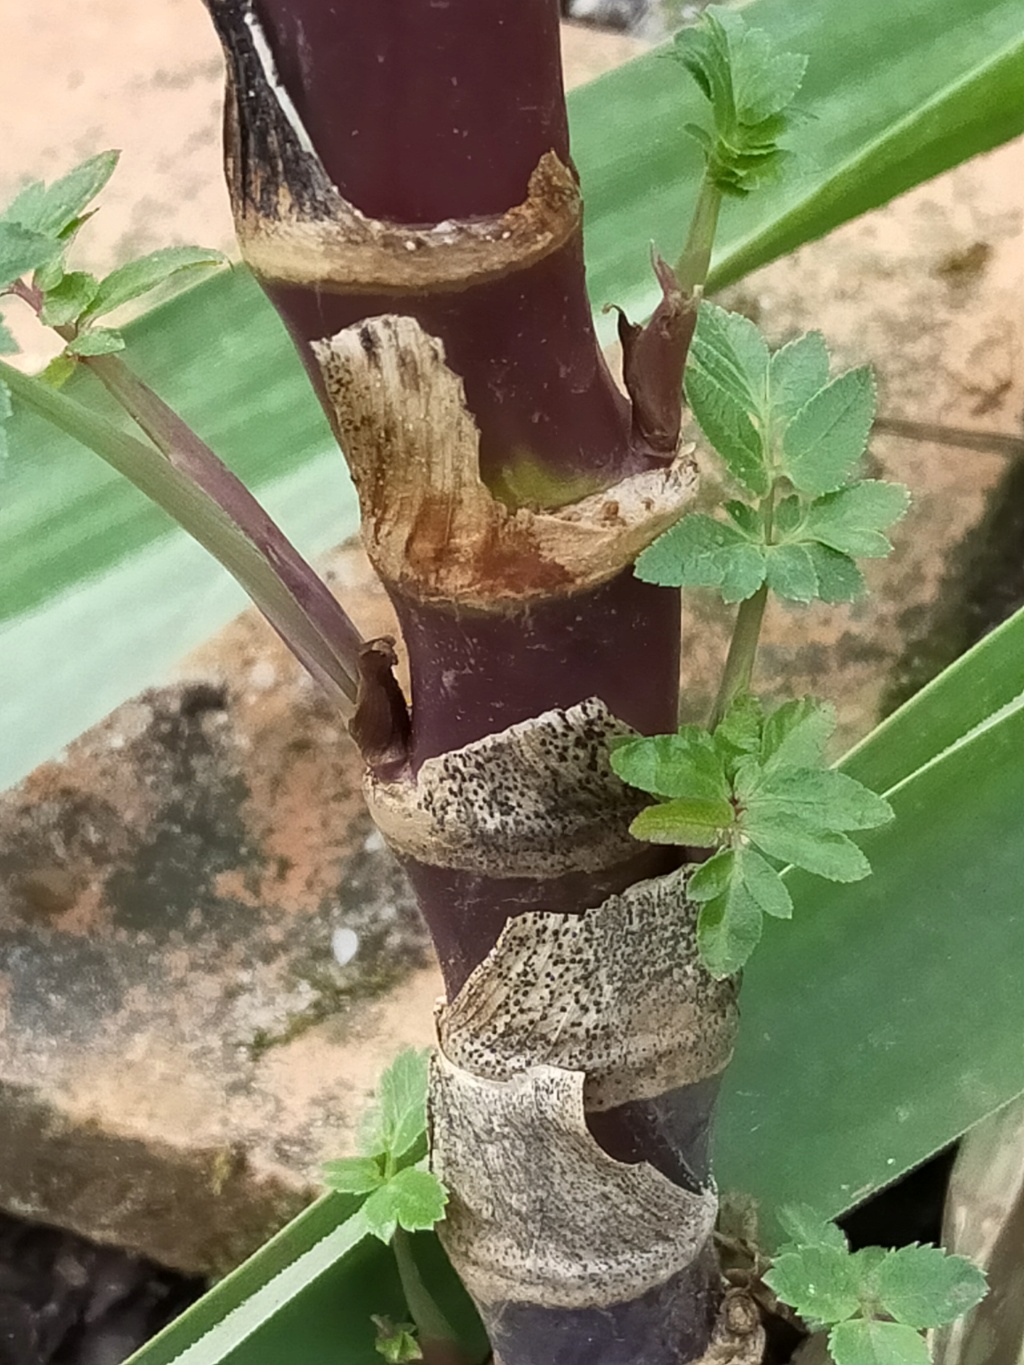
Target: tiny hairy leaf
412, 1199
21, 250
353, 1174
685, 764
806, 1227
829, 854
98, 341
703, 824
66, 301
797, 372
138, 277
815, 798
53, 210
922, 1286
8, 346
797, 732
396, 1341
865, 1341
829, 434
852, 519
818, 1281
728, 930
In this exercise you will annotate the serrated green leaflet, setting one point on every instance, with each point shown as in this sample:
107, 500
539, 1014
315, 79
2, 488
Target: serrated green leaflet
702, 552
51, 210
411, 1199
798, 371
8, 346
797, 732
673, 765
402, 1102
814, 798
807, 1228
22, 250
923, 1287
136, 278
764, 885
852, 519
819, 1281
827, 437
790, 572
728, 929
864, 1342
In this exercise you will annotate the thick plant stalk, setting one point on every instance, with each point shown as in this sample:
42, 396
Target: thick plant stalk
402, 187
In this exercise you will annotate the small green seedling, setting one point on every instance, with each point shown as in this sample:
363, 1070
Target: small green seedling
399, 1195
390, 1171
874, 1302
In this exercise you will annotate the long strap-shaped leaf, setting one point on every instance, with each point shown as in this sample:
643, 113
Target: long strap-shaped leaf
205, 498
891, 1017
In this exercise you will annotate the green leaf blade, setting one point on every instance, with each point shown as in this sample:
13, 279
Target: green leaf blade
798, 371
818, 1281
864, 1342
52, 210
728, 930
412, 1199
797, 732
922, 1286
852, 520
22, 250
829, 434
402, 1101
135, 278
831, 855
764, 885
704, 824
672, 765
700, 552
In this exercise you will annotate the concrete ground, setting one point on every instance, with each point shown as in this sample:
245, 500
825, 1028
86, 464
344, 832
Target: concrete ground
179, 1044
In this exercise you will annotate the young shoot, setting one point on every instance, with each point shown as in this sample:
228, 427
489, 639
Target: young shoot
750, 88
398, 1195
875, 1303
754, 787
